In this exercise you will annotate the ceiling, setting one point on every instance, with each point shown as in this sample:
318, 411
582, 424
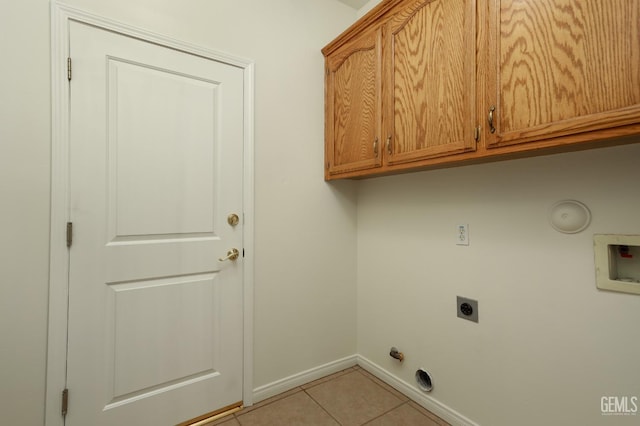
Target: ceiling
356, 4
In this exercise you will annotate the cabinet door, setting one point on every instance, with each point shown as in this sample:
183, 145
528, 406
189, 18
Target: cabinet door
561, 68
430, 66
353, 109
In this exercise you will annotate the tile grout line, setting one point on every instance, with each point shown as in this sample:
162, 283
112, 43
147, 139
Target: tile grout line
355, 370
267, 402
385, 413
320, 405
386, 390
294, 391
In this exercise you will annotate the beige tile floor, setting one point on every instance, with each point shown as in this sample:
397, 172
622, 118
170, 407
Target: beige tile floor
352, 397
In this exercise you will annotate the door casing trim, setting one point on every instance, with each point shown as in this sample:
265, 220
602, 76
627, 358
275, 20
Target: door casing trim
61, 15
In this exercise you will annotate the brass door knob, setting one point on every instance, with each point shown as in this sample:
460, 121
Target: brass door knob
233, 219
231, 255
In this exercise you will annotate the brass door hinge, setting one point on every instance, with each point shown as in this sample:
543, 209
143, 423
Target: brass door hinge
476, 134
69, 234
69, 69
65, 402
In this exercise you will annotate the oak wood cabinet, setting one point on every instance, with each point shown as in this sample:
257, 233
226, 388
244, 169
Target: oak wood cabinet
562, 67
419, 84
352, 99
379, 77
429, 96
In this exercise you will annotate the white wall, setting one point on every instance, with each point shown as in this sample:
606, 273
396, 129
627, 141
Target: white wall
305, 229
367, 7
548, 344
24, 209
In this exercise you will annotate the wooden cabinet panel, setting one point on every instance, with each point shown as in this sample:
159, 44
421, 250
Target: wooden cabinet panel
353, 107
430, 67
562, 67
418, 84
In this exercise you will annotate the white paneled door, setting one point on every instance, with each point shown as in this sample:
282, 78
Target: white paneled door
155, 165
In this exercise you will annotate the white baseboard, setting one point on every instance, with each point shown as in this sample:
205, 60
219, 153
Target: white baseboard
279, 386
444, 412
271, 389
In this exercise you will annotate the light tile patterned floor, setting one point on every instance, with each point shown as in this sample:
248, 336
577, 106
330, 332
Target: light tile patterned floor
352, 397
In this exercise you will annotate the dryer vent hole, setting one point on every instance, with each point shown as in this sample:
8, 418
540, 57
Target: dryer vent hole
424, 380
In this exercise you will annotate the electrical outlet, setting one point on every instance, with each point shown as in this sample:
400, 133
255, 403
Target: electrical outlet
467, 308
462, 235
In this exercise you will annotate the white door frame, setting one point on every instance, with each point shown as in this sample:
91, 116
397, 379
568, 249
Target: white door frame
61, 15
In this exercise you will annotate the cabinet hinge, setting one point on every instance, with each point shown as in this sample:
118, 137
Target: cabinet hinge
69, 233
476, 134
69, 69
65, 402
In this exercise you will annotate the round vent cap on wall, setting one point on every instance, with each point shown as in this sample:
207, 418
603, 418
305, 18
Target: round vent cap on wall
569, 216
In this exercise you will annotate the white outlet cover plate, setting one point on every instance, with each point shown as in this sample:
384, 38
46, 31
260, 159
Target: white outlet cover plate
462, 235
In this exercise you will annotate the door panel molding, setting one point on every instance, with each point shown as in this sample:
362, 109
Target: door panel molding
61, 16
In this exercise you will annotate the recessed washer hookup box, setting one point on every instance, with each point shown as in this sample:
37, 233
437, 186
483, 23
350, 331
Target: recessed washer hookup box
617, 259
